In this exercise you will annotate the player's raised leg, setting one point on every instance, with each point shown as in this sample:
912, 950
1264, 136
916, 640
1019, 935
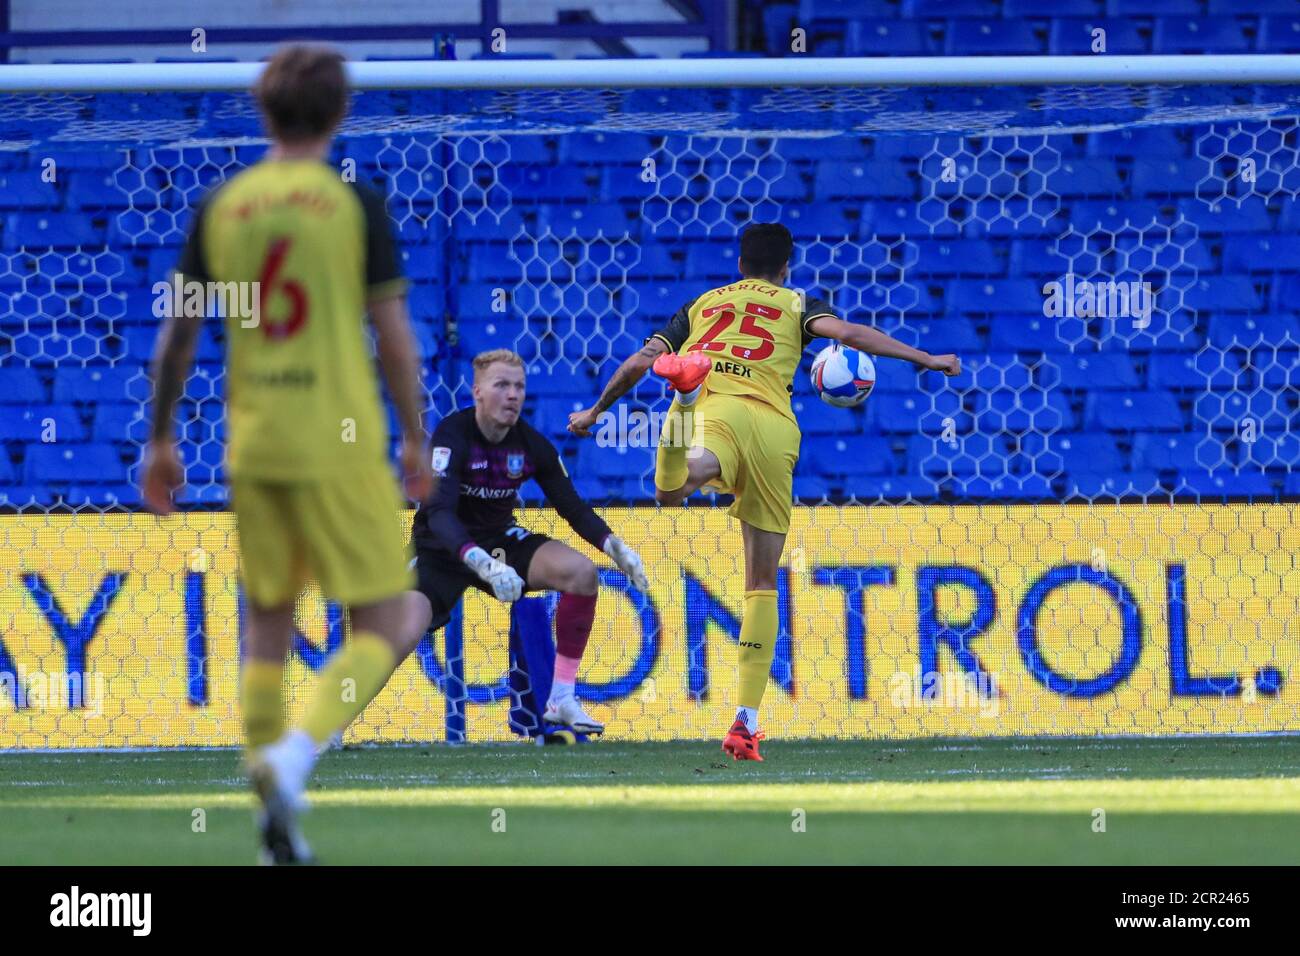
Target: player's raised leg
557, 567
758, 633
686, 375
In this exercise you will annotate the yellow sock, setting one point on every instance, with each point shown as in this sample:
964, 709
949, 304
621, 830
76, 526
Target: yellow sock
350, 681
671, 470
757, 646
261, 698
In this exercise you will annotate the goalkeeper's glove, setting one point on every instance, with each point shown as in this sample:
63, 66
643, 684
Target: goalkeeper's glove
501, 577
628, 561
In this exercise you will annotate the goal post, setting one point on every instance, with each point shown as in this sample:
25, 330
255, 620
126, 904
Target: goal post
1091, 531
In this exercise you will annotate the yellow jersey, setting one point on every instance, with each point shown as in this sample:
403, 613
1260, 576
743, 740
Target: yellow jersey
755, 332
303, 398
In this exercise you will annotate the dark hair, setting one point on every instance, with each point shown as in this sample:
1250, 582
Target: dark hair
303, 92
765, 249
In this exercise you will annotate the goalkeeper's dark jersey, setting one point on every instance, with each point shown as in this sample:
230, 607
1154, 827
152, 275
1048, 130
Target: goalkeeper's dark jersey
477, 485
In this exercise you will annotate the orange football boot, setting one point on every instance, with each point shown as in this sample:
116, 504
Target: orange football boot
740, 743
683, 372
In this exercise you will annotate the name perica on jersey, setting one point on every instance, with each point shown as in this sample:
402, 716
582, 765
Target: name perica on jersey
755, 332
319, 249
478, 484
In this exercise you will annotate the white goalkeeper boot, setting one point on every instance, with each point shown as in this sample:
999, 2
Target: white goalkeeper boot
279, 774
568, 712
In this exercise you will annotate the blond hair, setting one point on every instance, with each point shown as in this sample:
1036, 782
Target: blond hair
484, 359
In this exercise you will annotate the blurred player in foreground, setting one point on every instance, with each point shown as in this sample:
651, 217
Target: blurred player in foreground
466, 536
312, 490
730, 355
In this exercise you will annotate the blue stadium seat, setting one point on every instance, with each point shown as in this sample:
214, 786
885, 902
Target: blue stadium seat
1025, 9
899, 488
1225, 483
614, 461
1167, 175
1270, 253
890, 218
1199, 370
812, 488
1292, 486
1082, 452
1175, 452
1133, 411
1007, 488
1069, 37
995, 296
548, 184
817, 418
711, 260
1154, 8
1278, 449
938, 257
887, 38
992, 38
1281, 368
23, 385
930, 456
1036, 257
901, 412
27, 189
60, 462
947, 334
1128, 484
1087, 214
1200, 35
837, 179
94, 384
1222, 293
820, 220
831, 456
1028, 333
1250, 216
58, 230
1149, 142
1005, 410
115, 495
1227, 411
1250, 330
1095, 176
119, 421
1280, 34
950, 8
39, 423
590, 219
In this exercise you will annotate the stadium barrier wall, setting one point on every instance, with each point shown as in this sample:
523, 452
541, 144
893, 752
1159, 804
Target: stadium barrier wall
905, 621
595, 74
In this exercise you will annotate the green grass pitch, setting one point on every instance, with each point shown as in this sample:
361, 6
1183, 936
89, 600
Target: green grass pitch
1182, 801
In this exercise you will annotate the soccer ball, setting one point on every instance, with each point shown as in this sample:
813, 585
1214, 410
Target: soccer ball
842, 376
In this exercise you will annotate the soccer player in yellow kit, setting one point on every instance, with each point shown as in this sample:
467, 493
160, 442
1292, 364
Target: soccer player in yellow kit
311, 487
730, 355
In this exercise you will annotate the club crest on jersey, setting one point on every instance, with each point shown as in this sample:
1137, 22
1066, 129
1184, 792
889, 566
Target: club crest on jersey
515, 465
441, 459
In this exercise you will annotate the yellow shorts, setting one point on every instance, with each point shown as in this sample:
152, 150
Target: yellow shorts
757, 448
344, 531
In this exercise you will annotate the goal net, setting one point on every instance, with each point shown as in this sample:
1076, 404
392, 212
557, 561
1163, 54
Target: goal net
1091, 531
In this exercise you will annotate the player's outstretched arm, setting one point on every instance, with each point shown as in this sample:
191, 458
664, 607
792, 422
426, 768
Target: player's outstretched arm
621, 382
173, 358
400, 362
867, 339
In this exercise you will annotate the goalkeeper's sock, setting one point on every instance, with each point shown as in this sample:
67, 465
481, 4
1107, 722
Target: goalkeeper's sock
671, 470
757, 645
350, 681
573, 618
261, 697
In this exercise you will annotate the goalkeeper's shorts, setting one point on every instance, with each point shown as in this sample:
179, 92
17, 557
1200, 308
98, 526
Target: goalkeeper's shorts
345, 531
757, 447
443, 578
